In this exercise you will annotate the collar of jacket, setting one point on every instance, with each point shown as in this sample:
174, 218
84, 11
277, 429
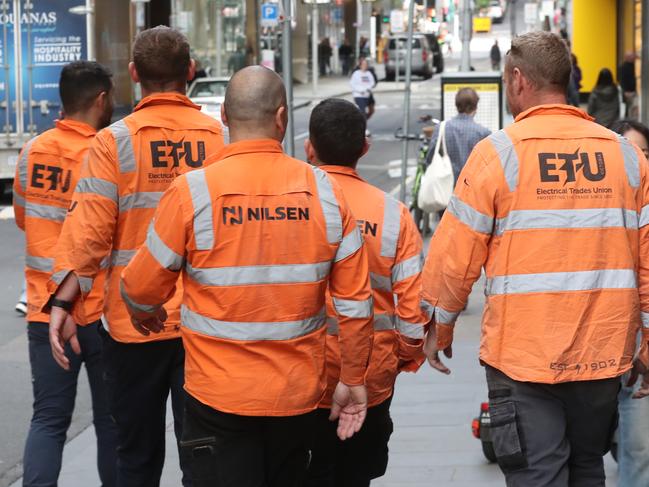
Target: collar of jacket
556, 109
250, 147
170, 98
346, 170
79, 127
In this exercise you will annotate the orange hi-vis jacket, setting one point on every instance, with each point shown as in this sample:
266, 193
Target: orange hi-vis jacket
130, 165
394, 251
556, 209
258, 237
46, 174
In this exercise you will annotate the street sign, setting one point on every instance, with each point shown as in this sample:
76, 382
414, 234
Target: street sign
269, 14
531, 13
396, 21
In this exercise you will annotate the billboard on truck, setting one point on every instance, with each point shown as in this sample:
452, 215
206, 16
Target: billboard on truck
37, 38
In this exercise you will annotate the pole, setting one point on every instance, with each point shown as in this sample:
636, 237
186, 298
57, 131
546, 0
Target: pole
219, 38
406, 102
644, 63
512, 18
90, 29
287, 74
359, 23
466, 36
314, 46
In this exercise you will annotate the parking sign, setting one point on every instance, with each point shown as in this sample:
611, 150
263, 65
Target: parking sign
269, 14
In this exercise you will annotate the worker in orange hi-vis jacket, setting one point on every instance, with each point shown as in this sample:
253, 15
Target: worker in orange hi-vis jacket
130, 165
258, 237
336, 142
556, 210
46, 176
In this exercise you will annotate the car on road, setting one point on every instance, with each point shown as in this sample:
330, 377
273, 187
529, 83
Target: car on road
496, 11
209, 94
438, 57
422, 56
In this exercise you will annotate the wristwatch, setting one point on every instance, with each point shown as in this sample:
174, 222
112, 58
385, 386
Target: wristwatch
60, 303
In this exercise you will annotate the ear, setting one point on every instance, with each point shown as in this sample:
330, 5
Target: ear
309, 150
224, 117
366, 147
133, 72
191, 72
101, 100
281, 119
518, 80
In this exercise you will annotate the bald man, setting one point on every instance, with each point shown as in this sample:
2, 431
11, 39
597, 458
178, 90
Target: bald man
260, 237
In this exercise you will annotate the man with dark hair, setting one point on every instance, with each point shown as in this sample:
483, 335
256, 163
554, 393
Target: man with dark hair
130, 165
554, 208
462, 132
336, 143
46, 176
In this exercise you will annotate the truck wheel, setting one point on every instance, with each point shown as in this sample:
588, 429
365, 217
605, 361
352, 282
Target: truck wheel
488, 450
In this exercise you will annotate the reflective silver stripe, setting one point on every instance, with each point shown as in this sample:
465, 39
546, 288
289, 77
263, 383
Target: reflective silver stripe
556, 218
85, 283
97, 186
349, 245
411, 330
43, 264
124, 144
391, 227
165, 256
58, 277
139, 200
471, 217
444, 316
23, 168
19, 200
562, 281
631, 163
250, 331
644, 216
645, 319
380, 283
105, 262
407, 268
353, 309
382, 322
142, 308
121, 257
427, 308
203, 213
329, 205
508, 157
46, 212
259, 274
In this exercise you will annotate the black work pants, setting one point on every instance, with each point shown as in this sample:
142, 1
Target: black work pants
227, 450
353, 462
552, 435
139, 378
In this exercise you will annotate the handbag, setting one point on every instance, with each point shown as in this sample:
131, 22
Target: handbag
438, 182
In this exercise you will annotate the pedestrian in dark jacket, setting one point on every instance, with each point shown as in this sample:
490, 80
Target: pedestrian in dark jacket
495, 56
628, 82
345, 53
604, 100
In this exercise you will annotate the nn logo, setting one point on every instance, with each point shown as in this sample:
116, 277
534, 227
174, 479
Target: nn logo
167, 153
553, 167
54, 177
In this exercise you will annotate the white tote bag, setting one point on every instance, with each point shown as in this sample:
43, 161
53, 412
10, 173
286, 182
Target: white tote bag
437, 183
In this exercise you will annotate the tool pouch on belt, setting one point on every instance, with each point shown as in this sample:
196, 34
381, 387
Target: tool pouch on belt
505, 436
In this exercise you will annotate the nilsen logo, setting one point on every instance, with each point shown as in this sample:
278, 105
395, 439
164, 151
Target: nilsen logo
555, 167
236, 215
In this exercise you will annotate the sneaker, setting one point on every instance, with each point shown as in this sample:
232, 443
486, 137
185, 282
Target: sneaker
21, 308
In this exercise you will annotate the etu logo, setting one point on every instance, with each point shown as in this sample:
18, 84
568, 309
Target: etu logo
552, 166
57, 177
162, 151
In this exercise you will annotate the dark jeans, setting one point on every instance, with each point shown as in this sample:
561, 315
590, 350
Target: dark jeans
228, 450
363, 104
55, 391
139, 377
552, 435
356, 461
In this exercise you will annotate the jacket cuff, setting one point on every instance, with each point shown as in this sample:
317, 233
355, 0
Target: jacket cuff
444, 335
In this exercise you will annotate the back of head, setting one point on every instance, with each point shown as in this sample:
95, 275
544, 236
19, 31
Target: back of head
466, 100
81, 82
605, 78
337, 132
161, 58
252, 99
625, 125
543, 58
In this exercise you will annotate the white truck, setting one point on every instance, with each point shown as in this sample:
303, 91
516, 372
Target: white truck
37, 38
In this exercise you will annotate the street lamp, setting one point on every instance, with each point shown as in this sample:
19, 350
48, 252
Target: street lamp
314, 39
89, 11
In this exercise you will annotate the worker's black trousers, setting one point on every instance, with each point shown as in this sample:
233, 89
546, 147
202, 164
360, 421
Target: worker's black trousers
552, 435
227, 450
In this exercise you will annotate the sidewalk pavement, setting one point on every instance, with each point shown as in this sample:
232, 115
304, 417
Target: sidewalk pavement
432, 442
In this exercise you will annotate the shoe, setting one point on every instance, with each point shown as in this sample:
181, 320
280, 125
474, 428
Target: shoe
21, 308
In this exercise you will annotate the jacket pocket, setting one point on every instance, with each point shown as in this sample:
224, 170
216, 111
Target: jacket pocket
505, 436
